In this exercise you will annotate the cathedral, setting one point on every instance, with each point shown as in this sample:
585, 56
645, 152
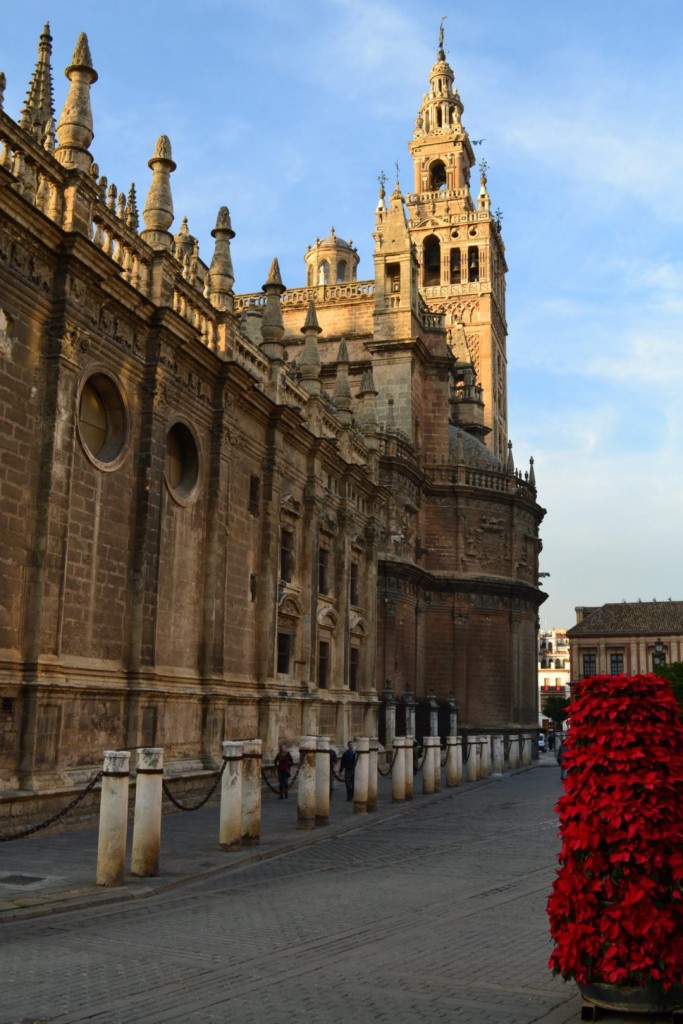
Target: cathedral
229, 515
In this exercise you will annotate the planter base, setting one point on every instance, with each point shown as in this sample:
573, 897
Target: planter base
649, 999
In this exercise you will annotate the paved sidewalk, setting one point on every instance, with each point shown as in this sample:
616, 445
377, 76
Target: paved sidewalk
49, 873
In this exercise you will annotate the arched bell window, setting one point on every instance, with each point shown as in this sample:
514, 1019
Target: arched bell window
437, 176
431, 261
473, 263
456, 262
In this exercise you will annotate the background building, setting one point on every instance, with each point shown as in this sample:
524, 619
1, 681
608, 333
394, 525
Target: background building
629, 637
554, 671
235, 515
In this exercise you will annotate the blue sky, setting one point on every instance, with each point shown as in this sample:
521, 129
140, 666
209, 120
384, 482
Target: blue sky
287, 111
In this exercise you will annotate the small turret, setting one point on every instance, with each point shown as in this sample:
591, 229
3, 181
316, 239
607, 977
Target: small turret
484, 200
38, 109
221, 274
342, 391
367, 414
310, 357
331, 261
75, 128
158, 211
272, 326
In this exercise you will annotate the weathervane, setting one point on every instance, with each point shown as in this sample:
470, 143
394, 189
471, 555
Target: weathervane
382, 179
441, 31
397, 171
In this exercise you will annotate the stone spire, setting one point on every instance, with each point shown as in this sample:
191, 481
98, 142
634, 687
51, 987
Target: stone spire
272, 327
532, 474
75, 130
158, 211
484, 200
132, 215
310, 357
39, 109
221, 274
3, 86
367, 416
510, 462
342, 391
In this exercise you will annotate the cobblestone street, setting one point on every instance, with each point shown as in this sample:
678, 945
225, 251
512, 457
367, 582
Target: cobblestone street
434, 914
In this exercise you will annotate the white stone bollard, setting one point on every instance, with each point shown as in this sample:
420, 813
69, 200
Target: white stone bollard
372, 774
498, 754
526, 748
230, 826
437, 764
322, 781
360, 786
453, 761
408, 776
306, 799
485, 768
251, 792
398, 772
471, 758
513, 752
147, 819
111, 840
428, 772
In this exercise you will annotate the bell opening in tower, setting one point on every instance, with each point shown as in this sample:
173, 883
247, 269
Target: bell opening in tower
437, 177
431, 262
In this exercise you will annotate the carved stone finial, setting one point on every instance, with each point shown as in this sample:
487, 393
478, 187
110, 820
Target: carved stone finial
272, 326
158, 211
342, 390
510, 462
38, 108
310, 357
3, 86
75, 128
221, 274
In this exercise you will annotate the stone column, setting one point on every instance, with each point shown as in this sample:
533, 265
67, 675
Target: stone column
526, 748
230, 827
513, 752
485, 769
408, 767
498, 754
111, 840
372, 774
410, 704
389, 717
437, 764
251, 792
471, 758
147, 819
453, 761
322, 781
428, 766
306, 801
478, 745
398, 772
433, 715
360, 786
452, 716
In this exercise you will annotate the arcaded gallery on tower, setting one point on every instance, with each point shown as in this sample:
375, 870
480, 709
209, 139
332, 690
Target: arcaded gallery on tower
229, 515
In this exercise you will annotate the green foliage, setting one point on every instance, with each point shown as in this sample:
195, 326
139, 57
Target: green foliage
674, 673
555, 707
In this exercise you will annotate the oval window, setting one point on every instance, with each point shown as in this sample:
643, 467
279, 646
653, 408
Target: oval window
102, 419
182, 462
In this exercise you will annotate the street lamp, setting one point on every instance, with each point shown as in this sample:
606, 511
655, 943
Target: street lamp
658, 655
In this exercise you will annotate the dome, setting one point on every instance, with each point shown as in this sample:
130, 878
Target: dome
474, 452
333, 241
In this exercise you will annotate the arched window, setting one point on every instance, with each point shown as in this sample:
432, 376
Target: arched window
341, 271
473, 263
437, 176
456, 262
431, 261
310, 280
324, 273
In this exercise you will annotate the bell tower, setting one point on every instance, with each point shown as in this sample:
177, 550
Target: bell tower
458, 242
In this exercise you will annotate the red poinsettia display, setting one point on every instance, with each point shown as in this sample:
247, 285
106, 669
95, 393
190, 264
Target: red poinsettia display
616, 907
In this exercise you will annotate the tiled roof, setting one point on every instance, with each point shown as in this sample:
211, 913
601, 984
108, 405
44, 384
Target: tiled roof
638, 617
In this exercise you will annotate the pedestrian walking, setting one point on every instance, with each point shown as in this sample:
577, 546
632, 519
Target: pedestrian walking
560, 759
348, 766
333, 765
283, 763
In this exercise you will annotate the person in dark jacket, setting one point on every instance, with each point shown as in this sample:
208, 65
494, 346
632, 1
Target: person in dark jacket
560, 759
283, 763
348, 766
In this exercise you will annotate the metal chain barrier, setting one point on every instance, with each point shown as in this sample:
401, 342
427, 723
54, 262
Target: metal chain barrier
205, 799
389, 768
268, 770
55, 817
